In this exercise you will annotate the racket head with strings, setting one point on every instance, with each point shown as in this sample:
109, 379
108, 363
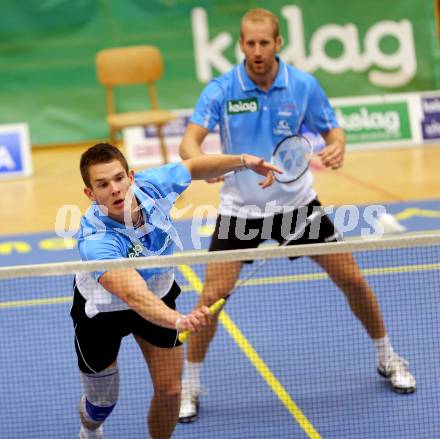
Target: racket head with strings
293, 155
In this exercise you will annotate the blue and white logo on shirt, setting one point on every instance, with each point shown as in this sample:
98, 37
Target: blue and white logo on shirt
240, 106
282, 128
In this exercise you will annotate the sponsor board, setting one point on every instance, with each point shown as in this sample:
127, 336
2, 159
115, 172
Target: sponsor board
15, 151
430, 123
375, 122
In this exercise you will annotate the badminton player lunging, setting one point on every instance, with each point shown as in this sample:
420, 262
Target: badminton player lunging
130, 217
257, 104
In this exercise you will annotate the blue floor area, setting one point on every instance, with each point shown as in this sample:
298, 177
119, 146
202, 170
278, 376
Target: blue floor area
301, 329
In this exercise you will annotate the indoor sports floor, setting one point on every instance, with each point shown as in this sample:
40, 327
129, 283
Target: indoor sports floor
307, 372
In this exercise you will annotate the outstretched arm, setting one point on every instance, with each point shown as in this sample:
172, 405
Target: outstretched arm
214, 165
203, 166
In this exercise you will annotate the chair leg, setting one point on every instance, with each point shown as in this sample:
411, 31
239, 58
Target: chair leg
113, 136
163, 148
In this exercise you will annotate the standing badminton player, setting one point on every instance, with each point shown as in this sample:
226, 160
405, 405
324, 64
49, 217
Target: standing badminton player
256, 105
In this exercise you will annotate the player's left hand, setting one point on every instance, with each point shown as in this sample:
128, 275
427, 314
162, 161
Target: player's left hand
332, 156
260, 166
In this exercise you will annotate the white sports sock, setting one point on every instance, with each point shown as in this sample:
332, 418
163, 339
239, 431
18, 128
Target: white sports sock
191, 376
91, 434
384, 349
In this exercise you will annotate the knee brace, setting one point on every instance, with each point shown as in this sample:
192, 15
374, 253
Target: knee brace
101, 391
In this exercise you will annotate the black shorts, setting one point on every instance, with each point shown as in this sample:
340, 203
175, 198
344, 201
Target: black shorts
97, 339
306, 225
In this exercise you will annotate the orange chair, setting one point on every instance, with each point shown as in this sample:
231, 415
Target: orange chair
133, 65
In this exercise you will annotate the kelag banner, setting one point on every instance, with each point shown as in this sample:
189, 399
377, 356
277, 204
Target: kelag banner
47, 52
380, 122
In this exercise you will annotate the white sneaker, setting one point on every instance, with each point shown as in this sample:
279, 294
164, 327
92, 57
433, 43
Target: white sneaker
189, 406
396, 371
85, 433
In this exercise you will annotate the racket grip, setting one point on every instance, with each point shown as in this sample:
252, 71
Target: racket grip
213, 309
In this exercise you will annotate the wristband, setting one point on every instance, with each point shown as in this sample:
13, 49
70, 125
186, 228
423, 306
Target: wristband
243, 163
179, 319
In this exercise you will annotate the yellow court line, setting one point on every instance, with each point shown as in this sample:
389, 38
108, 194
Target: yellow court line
256, 360
35, 302
415, 211
378, 271
401, 269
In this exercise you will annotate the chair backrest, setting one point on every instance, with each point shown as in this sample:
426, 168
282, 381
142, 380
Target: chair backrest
129, 65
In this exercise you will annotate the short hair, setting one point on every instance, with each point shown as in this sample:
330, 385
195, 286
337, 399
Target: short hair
260, 15
100, 153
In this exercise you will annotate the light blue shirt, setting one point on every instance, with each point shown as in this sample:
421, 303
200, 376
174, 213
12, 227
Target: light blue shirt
254, 121
102, 238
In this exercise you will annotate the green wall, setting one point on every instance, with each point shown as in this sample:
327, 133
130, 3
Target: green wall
47, 51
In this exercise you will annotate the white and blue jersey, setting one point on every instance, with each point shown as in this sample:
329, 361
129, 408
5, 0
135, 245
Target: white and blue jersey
102, 238
254, 121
